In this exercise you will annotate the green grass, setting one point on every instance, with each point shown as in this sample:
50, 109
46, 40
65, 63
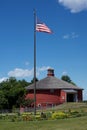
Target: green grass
74, 105
79, 123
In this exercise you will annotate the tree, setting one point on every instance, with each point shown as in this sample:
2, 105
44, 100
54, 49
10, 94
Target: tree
23, 83
3, 100
32, 81
67, 79
10, 92
25, 102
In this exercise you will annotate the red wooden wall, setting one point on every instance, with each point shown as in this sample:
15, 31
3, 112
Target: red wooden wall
46, 97
53, 97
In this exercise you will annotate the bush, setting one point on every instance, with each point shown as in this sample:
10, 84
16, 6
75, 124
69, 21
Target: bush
43, 115
38, 117
27, 117
59, 115
48, 115
0, 116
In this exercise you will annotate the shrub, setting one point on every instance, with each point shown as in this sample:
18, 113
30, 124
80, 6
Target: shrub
74, 113
59, 115
43, 115
0, 116
38, 117
27, 117
48, 115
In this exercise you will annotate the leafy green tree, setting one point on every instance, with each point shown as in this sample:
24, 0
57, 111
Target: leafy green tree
11, 90
32, 81
67, 79
25, 102
24, 83
3, 100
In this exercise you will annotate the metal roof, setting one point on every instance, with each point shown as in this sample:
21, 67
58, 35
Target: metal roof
51, 82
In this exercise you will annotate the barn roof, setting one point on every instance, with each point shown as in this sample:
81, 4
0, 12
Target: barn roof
51, 82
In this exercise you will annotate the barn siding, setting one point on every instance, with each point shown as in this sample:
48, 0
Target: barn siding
47, 97
63, 96
51, 96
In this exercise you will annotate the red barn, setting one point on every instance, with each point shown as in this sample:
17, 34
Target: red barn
53, 91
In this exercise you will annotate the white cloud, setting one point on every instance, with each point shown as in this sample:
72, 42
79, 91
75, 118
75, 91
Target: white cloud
3, 79
74, 5
22, 73
43, 68
72, 35
18, 72
66, 36
64, 73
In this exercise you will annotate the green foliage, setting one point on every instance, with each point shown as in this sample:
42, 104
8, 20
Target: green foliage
10, 92
32, 81
47, 115
59, 115
67, 79
25, 102
38, 117
79, 123
74, 113
3, 100
43, 115
27, 116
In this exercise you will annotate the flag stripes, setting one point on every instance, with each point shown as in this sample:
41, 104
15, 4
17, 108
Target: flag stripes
41, 27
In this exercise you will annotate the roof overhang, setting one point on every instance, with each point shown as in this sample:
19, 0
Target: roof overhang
69, 91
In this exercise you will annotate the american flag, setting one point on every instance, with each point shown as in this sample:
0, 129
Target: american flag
41, 27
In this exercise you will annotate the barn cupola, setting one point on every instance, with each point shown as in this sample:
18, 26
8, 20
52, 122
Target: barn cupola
50, 72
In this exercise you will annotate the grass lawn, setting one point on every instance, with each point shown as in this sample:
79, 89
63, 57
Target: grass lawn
78, 123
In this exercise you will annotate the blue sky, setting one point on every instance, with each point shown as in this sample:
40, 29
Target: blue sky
65, 50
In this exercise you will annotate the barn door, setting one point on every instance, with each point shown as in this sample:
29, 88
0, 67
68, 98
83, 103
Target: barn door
70, 97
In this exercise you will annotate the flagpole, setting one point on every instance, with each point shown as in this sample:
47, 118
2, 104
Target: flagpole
34, 62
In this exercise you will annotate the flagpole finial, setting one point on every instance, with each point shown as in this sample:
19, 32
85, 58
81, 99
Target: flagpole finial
34, 10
